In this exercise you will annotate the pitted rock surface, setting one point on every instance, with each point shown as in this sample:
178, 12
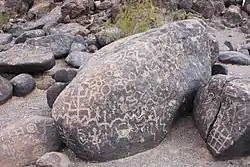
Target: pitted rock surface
25, 58
222, 116
25, 141
126, 97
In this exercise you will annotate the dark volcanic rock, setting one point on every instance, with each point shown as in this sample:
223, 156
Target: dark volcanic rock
79, 44
206, 8
122, 101
25, 58
23, 84
221, 115
232, 16
54, 91
5, 38
233, 57
53, 159
29, 34
19, 6
6, 90
59, 44
75, 8
219, 69
77, 59
65, 75
71, 28
25, 141
18, 29
51, 19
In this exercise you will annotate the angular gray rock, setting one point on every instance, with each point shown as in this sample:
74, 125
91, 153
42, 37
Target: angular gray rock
122, 101
29, 34
6, 90
23, 84
206, 8
19, 6
28, 139
65, 75
108, 35
221, 115
51, 19
79, 44
71, 28
75, 8
53, 159
103, 5
232, 16
18, 29
77, 59
233, 57
40, 9
5, 38
219, 69
25, 58
54, 91
59, 44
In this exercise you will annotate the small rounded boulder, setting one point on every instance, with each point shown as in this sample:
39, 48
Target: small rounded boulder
23, 84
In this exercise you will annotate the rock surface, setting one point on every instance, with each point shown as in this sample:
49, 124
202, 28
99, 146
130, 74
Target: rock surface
65, 75
5, 38
107, 36
221, 116
233, 57
71, 28
50, 19
119, 105
53, 159
23, 84
6, 90
77, 58
29, 34
59, 44
54, 91
25, 58
25, 141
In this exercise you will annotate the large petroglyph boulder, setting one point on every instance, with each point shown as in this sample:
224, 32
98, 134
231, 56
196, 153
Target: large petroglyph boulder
222, 116
25, 141
124, 100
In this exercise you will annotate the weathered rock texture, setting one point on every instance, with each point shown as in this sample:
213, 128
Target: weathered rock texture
27, 140
23, 58
123, 101
222, 116
6, 90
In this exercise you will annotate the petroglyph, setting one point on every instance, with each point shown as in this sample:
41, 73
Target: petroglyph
27, 140
222, 116
125, 99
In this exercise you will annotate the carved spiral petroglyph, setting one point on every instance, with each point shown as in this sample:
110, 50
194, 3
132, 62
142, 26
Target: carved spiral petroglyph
125, 99
27, 140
